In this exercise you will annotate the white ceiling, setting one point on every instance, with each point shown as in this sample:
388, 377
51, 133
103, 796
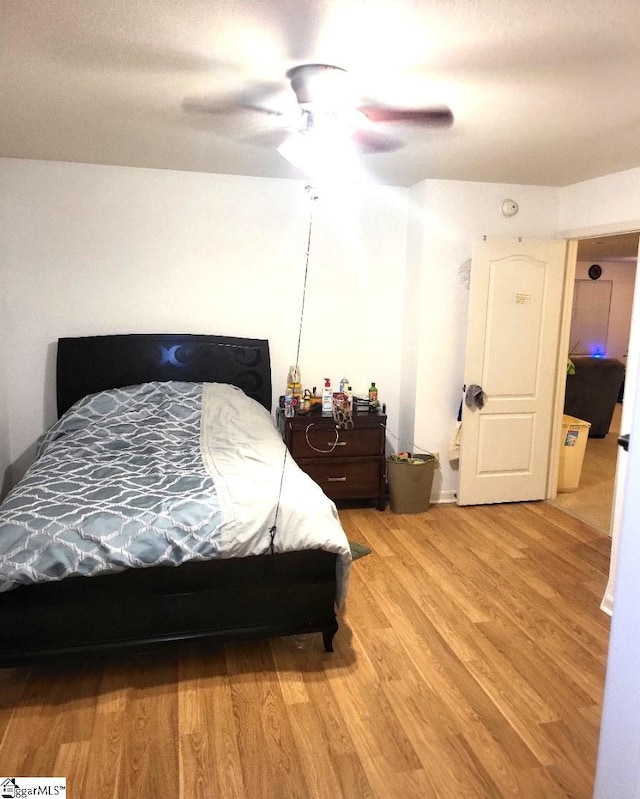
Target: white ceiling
543, 93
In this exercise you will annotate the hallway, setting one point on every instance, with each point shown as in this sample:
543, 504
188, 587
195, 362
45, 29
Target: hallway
592, 501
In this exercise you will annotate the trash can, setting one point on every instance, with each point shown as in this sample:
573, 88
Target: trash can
410, 480
575, 433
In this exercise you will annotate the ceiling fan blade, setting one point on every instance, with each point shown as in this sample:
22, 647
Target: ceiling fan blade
271, 139
263, 97
438, 117
261, 109
231, 106
370, 141
225, 108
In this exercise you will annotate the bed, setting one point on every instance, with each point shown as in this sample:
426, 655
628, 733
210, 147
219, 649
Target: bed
248, 545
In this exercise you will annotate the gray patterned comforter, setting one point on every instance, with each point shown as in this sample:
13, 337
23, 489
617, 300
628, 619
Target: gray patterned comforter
160, 474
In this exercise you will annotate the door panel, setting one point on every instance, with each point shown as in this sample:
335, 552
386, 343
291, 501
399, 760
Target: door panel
514, 289
505, 444
512, 352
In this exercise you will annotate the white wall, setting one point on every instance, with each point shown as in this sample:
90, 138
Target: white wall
600, 206
95, 250
454, 215
411, 316
5, 443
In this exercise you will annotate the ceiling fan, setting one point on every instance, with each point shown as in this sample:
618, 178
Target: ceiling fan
326, 97
325, 91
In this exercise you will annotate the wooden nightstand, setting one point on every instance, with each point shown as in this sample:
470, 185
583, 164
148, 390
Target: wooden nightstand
346, 463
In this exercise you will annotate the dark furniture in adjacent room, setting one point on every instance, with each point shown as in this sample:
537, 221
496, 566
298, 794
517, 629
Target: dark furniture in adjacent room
592, 392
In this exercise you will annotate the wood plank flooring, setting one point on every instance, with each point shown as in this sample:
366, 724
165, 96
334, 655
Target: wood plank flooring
469, 663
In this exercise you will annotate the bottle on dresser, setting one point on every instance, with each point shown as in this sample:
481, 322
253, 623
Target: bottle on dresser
373, 398
349, 393
294, 385
327, 397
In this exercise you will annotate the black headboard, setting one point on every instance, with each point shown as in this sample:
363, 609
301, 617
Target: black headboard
95, 363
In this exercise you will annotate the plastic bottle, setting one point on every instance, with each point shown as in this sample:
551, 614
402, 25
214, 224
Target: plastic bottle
294, 384
373, 397
344, 384
289, 409
349, 393
327, 397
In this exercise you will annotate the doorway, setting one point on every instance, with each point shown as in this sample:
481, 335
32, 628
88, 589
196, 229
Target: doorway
616, 256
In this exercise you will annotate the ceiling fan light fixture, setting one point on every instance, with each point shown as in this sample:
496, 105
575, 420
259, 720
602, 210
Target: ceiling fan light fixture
322, 148
293, 149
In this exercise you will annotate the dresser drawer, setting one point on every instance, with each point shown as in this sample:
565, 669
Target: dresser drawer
346, 479
320, 442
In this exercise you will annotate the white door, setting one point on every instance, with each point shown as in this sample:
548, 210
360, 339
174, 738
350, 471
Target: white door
512, 354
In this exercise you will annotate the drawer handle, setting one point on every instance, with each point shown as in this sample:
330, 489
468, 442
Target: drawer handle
337, 444
337, 479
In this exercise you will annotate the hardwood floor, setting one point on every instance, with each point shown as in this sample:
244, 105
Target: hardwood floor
469, 663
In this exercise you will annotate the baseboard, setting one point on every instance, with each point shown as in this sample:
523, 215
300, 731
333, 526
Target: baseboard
445, 497
606, 606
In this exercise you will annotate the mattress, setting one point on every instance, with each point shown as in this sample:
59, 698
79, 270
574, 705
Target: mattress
159, 474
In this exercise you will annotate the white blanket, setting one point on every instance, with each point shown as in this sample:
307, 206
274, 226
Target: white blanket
259, 485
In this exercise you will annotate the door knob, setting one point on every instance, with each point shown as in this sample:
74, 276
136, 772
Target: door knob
475, 396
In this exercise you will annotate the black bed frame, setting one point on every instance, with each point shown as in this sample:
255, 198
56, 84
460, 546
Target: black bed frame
261, 596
